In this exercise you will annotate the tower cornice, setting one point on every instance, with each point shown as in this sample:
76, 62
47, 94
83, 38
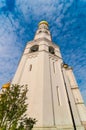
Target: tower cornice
42, 39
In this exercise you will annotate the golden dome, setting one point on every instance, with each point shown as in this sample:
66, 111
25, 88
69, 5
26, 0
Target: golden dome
7, 85
44, 22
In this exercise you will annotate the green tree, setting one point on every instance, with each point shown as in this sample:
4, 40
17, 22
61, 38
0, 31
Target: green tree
13, 107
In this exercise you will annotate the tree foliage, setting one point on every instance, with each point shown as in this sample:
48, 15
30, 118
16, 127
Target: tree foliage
12, 109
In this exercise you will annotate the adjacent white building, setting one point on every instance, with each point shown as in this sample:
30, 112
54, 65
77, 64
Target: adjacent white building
53, 95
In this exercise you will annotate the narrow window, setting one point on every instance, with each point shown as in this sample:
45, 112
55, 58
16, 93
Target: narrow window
30, 67
54, 67
58, 97
77, 100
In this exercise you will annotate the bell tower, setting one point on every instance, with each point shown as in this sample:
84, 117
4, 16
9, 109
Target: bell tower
53, 96
43, 31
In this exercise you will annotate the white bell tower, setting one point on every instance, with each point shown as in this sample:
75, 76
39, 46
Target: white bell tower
53, 97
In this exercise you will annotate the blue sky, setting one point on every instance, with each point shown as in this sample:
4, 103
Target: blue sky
19, 20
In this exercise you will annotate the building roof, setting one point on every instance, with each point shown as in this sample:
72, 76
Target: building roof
7, 85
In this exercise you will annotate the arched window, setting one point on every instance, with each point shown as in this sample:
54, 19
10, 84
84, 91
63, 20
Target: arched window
34, 48
51, 50
46, 32
40, 31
